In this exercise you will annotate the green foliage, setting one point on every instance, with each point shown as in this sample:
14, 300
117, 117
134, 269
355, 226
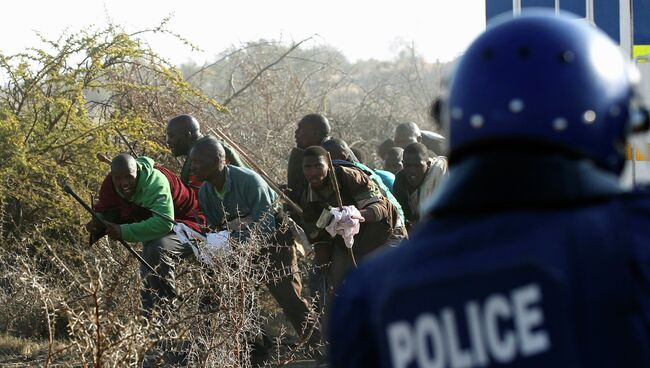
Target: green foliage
64, 103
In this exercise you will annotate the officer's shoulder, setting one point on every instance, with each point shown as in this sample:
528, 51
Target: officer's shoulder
636, 200
389, 262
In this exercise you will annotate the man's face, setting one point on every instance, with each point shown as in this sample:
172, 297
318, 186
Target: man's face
179, 139
415, 169
404, 138
315, 170
307, 136
205, 165
302, 136
393, 163
125, 180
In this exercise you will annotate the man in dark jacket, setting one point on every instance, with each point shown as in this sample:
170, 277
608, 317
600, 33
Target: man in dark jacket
313, 130
380, 219
419, 177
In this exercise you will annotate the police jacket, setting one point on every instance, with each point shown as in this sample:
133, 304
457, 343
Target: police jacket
525, 261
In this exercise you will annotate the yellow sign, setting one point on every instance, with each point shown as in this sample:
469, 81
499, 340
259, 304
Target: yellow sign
640, 51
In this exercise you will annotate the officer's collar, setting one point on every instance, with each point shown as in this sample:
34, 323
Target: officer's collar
500, 181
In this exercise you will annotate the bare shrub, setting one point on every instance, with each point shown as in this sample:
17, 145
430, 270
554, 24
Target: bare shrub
94, 300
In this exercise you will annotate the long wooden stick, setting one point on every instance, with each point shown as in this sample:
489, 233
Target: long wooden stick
68, 190
126, 141
337, 193
335, 182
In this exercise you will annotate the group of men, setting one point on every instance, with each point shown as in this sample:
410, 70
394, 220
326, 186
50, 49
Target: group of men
351, 210
528, 254
142, 201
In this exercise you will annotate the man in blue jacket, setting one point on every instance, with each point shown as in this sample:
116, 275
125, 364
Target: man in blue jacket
532, 254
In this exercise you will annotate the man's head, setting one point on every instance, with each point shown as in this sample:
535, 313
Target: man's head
547, 82
416, 164
207, 159
384, 147
124, 172
311, 131
182, 132
338, 149
315, 166
407, 133
359, 154
393, 160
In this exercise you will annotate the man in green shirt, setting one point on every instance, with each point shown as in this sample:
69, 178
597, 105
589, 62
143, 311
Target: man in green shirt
140, 202
234, 195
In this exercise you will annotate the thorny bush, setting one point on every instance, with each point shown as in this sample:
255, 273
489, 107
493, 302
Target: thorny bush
90, 305
62, 104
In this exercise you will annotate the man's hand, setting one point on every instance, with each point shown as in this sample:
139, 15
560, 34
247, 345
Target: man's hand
93, 227
96, 230
366, 215
113, 231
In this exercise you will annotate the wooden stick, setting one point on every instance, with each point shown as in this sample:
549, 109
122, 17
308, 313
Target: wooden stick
259, 170
337, 193
126, 141
335, 182
67, 189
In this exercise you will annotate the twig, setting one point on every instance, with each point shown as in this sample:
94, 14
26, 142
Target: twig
259, 170
259, 74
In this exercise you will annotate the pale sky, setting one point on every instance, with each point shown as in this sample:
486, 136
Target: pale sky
361, 29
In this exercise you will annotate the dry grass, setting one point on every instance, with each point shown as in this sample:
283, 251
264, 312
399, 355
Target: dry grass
84, 305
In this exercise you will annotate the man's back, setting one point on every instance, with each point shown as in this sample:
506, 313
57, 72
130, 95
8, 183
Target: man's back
532, 255
560, 287
538, 275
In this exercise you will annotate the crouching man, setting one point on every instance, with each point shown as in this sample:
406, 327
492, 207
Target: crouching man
140, 202
232, 194
380, 219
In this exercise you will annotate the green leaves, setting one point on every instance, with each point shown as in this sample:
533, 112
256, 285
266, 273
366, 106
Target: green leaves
60, 105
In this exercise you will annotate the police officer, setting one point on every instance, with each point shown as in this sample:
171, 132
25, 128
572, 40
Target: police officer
533, 255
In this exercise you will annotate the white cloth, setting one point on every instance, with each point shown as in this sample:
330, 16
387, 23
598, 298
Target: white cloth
215, 244
345, 222
219, 241
186, 234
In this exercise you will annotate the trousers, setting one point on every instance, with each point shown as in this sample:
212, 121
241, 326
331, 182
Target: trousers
161, 254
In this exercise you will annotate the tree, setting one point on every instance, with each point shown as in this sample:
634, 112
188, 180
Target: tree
64, 103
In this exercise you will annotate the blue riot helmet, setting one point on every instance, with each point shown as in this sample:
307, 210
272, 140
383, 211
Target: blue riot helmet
544, 79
